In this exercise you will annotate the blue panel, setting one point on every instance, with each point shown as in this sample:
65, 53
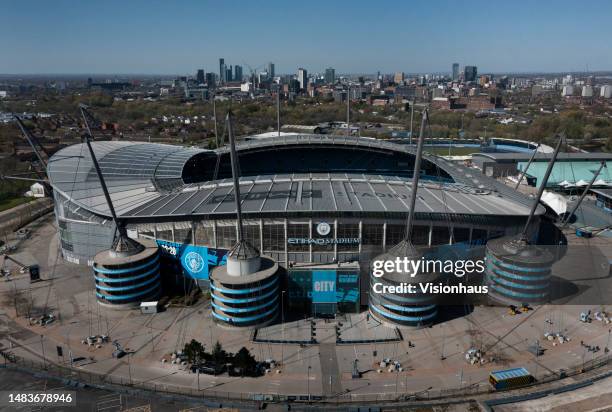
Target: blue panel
130, 269
128, 278
126, 297
323, 286
243, 291
245, 300
195, 260
404, 318
130, 287
246, 319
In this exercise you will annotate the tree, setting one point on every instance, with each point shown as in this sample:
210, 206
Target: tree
194, 351
218, 354
245, 361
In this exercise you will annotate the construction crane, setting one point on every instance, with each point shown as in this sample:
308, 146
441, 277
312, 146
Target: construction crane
253, 75
38, 150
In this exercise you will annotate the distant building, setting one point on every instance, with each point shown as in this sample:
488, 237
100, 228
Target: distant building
302, 78
238, 73
36, 190
222, 71
293, 86
228, 74
330, 75
210, 80
3, 94
605, 92
587, 91
200, 78
271, 71
470, 73
455, 71
567, 91
196, 93
398, 78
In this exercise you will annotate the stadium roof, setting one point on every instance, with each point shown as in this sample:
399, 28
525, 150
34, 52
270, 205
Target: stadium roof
145, 180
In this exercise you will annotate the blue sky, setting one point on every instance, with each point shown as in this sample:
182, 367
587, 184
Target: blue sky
178, 37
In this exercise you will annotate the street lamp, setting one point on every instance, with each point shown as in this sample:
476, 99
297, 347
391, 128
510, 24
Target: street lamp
42, 346
308, 382
283, 327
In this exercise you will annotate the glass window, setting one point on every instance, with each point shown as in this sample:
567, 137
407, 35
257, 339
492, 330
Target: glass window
395, 233
274, 237
440, 235
165, 234
372, 234
251, 234
420, 235
295, 232
461, 234
204, 235
182, 235
348, 231
226, 237
479, 236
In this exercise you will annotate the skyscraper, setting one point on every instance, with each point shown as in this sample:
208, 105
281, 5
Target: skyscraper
200, 76
302, 77
330, 75
210, 80
470, 73
237, 73
271, 73
222, 73
398, 78
228, 74
455, 71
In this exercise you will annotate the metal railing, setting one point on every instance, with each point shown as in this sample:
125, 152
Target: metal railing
75, 376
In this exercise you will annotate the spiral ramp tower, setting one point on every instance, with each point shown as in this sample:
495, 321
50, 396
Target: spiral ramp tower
127, 276
128, 273
518, 273
244, 292
401, 309
518, 270
404, 309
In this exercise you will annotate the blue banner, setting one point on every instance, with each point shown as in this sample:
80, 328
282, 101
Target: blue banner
195, 260
323, 286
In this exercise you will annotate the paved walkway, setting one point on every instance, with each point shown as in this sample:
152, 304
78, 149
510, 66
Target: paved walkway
330, 372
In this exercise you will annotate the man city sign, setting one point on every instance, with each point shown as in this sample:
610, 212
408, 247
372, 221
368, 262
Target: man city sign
194, 262
323, 229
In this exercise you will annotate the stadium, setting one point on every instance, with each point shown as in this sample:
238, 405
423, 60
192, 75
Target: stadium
320, 206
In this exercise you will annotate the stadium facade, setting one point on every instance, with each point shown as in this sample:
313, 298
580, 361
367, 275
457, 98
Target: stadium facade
320, 206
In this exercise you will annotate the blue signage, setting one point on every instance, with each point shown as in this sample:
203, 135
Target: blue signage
196, 261
323, 286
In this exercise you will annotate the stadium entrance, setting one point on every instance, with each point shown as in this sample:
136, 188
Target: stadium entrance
323, 291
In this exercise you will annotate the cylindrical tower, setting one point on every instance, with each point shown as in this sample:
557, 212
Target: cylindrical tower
401, 309
518, 272
245, 292
127, 277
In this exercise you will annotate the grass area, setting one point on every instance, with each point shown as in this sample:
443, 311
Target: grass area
6, 204
455, 151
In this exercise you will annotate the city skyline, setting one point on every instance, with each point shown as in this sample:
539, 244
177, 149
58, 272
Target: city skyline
142, 38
